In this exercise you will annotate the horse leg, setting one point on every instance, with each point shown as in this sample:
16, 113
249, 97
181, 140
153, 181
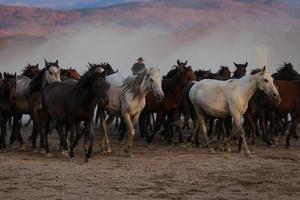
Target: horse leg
104, 127
122, 130
159, 120
263, 124
63, 143
72, 141
238, 124
295, 121
91, 139
131, 134
144, 124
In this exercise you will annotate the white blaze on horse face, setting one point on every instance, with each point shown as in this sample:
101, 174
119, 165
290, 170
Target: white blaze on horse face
52, 75
153, 83
265, 83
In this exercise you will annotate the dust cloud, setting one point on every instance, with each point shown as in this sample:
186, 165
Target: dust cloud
121, 46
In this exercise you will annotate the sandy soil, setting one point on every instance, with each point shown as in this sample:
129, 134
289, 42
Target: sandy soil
157, 171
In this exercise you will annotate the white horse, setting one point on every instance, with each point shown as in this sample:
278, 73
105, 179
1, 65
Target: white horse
229, 98
127, 99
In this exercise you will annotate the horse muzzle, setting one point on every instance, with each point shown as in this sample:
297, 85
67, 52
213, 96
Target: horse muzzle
159, 97
276, 99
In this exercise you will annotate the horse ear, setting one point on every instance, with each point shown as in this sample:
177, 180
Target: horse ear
264, 69
46, 63
178, 62
246, 64
15, 75
4, 75
185, 62
56, 62
235, 64
0, 75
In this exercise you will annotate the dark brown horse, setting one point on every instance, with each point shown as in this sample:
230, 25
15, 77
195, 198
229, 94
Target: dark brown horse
7, 102
31, 71
69, 103
240, 70
223, 74
180, 77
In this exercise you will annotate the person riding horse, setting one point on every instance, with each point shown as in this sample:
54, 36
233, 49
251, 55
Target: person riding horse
138, 67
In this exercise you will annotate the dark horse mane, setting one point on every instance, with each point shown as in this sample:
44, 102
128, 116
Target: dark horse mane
286, 72
109, 70
27, 69
255, 71
84, 87
172, 78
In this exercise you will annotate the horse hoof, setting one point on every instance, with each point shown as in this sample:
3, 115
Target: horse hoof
48, 155
228, 149
23, 147
42, 151
65, 153
211, 150
109, 151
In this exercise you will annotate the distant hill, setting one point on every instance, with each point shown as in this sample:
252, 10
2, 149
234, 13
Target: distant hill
193, 16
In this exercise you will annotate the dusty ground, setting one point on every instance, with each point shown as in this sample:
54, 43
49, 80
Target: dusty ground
157, 171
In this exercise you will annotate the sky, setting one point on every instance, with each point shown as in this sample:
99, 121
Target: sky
66, 4
83, 4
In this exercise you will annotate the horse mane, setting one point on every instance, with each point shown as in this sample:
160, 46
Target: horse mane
169, 83
286, 72
36, 83
172, 72
83, 87
255, 71
132, 84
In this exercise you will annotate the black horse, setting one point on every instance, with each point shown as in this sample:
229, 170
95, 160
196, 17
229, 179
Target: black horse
69, 103
7, 102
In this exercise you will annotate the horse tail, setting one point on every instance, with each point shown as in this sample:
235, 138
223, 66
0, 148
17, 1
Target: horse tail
188, 109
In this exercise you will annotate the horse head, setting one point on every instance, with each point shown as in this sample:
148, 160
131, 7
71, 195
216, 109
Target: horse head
240, 70
265, 84
152, 82
9, 86
52, 72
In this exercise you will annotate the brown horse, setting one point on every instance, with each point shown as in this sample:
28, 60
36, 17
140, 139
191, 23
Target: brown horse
223, 74
240, 70
7, 102
69, 73
263, 110
172, 88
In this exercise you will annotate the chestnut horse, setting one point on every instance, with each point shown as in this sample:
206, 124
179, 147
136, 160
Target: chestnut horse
180, 77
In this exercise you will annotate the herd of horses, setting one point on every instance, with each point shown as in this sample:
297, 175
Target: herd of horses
217, 104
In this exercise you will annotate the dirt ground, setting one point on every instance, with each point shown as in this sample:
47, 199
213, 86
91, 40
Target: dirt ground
157, 171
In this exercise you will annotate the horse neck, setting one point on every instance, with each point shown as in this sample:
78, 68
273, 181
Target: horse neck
248, 85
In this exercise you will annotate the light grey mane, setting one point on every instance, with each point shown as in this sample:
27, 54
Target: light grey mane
132, 84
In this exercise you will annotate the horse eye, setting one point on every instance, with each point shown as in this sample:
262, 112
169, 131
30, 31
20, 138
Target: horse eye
266, 80
151, 79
